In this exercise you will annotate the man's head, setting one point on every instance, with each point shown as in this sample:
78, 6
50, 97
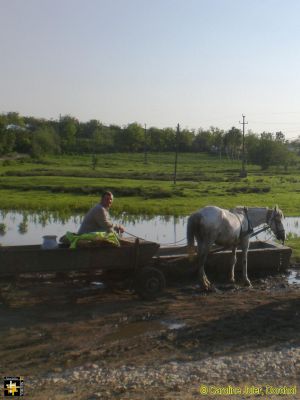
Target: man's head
107, 199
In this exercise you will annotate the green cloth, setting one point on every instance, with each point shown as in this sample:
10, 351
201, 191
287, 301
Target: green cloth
110, 237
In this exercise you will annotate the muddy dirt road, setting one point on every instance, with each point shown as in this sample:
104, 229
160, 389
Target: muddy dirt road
79, 341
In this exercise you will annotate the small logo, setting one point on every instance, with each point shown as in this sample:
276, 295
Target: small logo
13, 386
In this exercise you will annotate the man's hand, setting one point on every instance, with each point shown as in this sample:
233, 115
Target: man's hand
119, 228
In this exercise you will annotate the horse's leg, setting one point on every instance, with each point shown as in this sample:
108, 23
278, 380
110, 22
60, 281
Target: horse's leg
233, 262
245, 246
202, 253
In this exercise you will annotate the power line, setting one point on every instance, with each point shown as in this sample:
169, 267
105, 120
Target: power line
274, 123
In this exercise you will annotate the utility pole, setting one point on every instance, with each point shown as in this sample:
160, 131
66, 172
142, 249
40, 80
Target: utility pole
243, 172
58, 125
176, 154
145, 145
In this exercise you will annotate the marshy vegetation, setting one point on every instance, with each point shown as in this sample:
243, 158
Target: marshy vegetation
137, 164
67, 185
71, 184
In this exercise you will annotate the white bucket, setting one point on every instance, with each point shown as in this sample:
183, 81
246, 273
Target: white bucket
49, 242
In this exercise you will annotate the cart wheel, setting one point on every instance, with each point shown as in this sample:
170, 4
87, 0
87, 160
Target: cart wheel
149, 283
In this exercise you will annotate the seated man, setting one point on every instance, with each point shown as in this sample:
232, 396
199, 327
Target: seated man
98, 219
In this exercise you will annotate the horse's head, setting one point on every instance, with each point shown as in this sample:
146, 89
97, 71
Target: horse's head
275, 223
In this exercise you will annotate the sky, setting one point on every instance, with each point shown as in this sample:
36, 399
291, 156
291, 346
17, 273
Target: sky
199, 63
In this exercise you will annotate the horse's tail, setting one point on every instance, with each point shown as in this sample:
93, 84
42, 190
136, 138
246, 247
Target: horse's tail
190, 234
193, 226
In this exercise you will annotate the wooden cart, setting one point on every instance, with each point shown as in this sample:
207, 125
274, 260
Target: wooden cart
132, 258
263, 258
142, 262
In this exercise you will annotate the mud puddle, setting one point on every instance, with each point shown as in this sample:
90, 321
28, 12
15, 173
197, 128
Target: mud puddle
53, 328
142, 328
294, 276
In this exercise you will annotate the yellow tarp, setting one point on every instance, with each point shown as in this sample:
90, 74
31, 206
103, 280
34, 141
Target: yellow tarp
110, 237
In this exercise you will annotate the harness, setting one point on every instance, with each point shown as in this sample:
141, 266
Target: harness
250, 230
250, 227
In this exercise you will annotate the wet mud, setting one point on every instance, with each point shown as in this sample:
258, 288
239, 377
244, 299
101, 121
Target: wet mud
51, 328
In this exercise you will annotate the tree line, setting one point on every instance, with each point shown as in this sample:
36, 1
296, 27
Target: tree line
67, 135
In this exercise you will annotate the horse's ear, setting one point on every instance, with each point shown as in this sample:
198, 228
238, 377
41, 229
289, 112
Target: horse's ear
276, 207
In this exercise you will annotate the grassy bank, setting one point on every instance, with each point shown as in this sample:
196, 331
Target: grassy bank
71, 184
68, 185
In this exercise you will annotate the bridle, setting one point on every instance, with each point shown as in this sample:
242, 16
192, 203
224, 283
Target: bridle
274, 218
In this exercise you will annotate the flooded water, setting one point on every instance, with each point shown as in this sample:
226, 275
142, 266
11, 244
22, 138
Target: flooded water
25, 229
173, 325
294, 277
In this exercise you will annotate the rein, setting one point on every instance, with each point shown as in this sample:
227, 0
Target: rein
250, 231
169, 244
264, 228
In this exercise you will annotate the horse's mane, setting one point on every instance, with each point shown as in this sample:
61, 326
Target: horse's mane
237, 209
241, 209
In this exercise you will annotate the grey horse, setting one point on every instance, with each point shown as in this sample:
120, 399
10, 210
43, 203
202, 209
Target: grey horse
229, 228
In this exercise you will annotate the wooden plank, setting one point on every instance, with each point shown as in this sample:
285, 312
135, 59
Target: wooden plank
261, 256
24, 259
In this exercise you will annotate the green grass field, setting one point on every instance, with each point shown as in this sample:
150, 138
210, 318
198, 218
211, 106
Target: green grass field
70, 184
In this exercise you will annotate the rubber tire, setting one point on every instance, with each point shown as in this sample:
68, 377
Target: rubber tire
149, 283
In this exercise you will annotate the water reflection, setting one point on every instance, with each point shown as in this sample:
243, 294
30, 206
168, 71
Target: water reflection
2, 229
24, 228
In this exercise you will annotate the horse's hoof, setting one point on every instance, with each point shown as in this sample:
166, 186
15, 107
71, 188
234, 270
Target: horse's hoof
247, 283
232, 280
204, 286
208, 287
213, 289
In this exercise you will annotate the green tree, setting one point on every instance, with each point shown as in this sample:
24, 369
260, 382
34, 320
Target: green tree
295, 145
87, 129
280, 137
23, 141
186, 139
133, 137
155, 139
15, 119
251, 145
233, 142
168, 139
118, 137
202, 140
217, 140
45, 141
7, 139
268, 151
68, 127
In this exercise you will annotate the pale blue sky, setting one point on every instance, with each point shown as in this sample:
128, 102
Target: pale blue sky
157, 62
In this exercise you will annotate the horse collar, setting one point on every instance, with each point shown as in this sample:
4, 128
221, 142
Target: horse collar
250, 227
